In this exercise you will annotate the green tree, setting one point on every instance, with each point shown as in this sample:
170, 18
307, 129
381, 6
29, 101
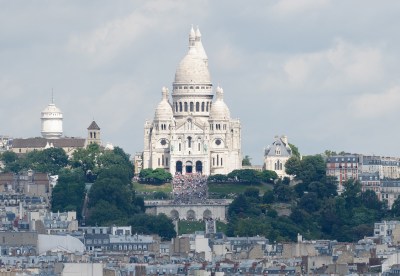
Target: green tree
396, 207
85, 159
293, 166
295, 151
246, 161
50, 160
11, 162
69, 193
148, 224
246, 176
268, 176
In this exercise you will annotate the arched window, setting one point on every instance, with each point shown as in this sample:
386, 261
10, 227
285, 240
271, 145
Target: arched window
213, 161
176, 107
198, 146
162, 160
191, 107
207, 106
180, 147
197, 107
221, 161
202, 107
189, 142
217, 160
186, 106
180, 106
91, 134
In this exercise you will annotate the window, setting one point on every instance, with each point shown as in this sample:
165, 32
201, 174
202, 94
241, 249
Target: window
202, 107
186, 106
179, 146
180, 107
166, 161
198, 146
189, 142
197, 107
191, 107
207, 106
159, 161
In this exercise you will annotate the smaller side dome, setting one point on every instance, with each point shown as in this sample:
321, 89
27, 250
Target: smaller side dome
219, 110
164, 108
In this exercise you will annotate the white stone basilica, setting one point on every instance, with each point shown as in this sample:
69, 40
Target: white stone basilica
194, 133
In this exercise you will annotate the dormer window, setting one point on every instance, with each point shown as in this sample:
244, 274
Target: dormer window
278, 151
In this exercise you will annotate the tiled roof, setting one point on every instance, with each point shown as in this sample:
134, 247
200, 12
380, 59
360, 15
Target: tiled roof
38, 142
93, 125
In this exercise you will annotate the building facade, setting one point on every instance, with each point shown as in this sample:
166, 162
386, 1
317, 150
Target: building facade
276, 155
194, 132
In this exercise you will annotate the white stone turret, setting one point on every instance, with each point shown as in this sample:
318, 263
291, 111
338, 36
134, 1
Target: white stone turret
52, 120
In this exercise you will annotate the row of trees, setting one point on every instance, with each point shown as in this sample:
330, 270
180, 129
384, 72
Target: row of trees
247, 176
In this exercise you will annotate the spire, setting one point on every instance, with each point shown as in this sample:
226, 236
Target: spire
52, 96
192, 37
198, 34
219, 93
164, 93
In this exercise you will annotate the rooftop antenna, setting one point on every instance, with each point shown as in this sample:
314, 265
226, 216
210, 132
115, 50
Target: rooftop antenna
52, 96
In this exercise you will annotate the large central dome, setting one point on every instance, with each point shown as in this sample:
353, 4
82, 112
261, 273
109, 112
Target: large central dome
193, 68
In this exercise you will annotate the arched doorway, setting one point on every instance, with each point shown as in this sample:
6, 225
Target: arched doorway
199, 167
178, 167
207, 214
189, 167
174, 214
190, 215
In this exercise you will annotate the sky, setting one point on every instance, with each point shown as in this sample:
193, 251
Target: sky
323, 72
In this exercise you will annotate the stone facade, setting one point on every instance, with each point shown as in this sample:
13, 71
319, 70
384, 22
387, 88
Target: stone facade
194, 133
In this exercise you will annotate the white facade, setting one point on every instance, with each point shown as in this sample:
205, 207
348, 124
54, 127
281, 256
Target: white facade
276, 155
194, 133
52, 120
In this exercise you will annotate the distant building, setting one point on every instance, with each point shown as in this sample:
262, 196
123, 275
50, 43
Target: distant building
377, 173
371, 181
276, 155
344, 168
52, 131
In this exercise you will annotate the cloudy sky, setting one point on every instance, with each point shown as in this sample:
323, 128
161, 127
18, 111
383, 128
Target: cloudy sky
324, 72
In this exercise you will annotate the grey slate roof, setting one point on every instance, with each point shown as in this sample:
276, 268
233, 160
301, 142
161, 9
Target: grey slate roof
93, 126
39, 142
285, 149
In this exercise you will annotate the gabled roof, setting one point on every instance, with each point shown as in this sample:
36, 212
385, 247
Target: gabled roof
93, 126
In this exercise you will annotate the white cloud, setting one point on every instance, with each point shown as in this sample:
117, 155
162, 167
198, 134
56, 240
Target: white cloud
342, 63
107, 41
376, 105
290, 7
